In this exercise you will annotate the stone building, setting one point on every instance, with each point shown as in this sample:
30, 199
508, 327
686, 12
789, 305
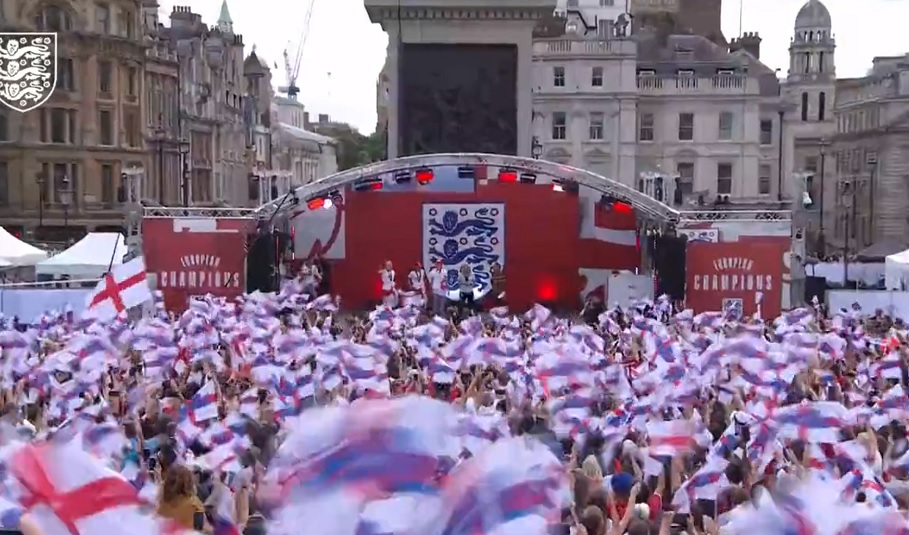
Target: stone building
662, 102
165, 180
809, 93
871, 160
212, 92
60, 164
301, 155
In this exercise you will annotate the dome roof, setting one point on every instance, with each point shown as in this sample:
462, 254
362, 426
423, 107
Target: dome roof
814, 14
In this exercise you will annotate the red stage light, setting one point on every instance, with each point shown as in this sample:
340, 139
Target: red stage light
547, 291
375, 186
315, 204
508, 175
622, 207
424, 176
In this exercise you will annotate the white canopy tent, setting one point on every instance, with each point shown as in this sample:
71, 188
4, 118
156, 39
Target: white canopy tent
15, 252
89, 258
896, 271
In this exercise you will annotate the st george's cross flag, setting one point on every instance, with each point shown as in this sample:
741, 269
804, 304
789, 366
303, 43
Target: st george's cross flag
124, 287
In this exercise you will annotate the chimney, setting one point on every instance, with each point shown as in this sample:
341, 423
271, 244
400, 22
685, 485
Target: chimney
749, 42
323, 118
306, 119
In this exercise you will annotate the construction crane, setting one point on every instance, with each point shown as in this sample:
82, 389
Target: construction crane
293, 70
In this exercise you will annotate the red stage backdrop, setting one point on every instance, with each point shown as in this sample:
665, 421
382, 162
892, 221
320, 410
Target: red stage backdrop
196, 256
729, 274
555, 247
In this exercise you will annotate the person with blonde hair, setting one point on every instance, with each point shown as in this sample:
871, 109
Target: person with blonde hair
178, 500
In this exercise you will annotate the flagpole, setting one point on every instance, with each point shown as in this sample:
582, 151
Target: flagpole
113, 254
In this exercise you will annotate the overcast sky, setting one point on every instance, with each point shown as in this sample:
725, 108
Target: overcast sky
343, 52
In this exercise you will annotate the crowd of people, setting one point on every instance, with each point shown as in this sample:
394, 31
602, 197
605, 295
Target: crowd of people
271, 414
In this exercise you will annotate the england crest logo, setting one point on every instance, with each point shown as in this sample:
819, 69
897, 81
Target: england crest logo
28, 69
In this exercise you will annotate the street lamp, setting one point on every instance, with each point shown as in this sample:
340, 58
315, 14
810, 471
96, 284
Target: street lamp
66, 198
849, 194
160, 138
184, 167
42, 197
536, 149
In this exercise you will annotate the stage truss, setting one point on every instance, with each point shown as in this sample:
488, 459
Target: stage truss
650, 210
647, 207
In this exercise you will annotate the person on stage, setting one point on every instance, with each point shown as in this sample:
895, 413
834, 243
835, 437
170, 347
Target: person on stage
467, 284
311, 277
417, 280
439, 286
497, 294
389, 286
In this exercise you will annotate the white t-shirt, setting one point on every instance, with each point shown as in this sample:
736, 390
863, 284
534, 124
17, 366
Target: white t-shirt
416, 280
388, 280
437, 281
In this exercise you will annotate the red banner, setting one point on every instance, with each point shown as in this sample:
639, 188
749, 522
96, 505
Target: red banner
196, 256
729, 275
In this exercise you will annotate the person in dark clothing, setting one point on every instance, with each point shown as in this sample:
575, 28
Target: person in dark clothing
325, 269
592, 310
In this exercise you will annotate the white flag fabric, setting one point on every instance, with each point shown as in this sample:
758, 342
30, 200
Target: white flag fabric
123, 288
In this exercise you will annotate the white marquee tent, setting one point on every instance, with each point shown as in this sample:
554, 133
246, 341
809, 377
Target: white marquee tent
15, 252
89, 258
896, 271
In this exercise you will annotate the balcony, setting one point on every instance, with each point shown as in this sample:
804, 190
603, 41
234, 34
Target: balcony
582, 48
723, 84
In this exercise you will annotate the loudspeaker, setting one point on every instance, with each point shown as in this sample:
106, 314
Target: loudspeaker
669, 256
261, 267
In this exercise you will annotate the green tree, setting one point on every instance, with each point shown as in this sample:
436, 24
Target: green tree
354, 149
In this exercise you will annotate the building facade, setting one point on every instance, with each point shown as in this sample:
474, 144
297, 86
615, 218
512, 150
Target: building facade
60, 164
301, 156
702, 117
212, 93
870, 152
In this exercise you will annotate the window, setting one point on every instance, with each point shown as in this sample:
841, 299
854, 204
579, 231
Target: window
605, 28
811, 164
645, 128
820, 62
126, 24
685, 171
558, 76
61, 181
132, 82
558, 125
766, 132
102, 18
821, 106
596, 126
58, 128
66, 75
596, 77
804, 106
105, 76
686, 126
42, 126
806, 67
53, 19
607, 3
131, 128
725, 126
106, 127
4, 126
72, 121
107, 184
4, 184
724, 178
764, 179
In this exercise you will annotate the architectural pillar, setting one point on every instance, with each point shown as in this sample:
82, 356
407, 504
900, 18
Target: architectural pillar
505, 22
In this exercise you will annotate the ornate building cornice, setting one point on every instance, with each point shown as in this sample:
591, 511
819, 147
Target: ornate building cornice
394, 13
